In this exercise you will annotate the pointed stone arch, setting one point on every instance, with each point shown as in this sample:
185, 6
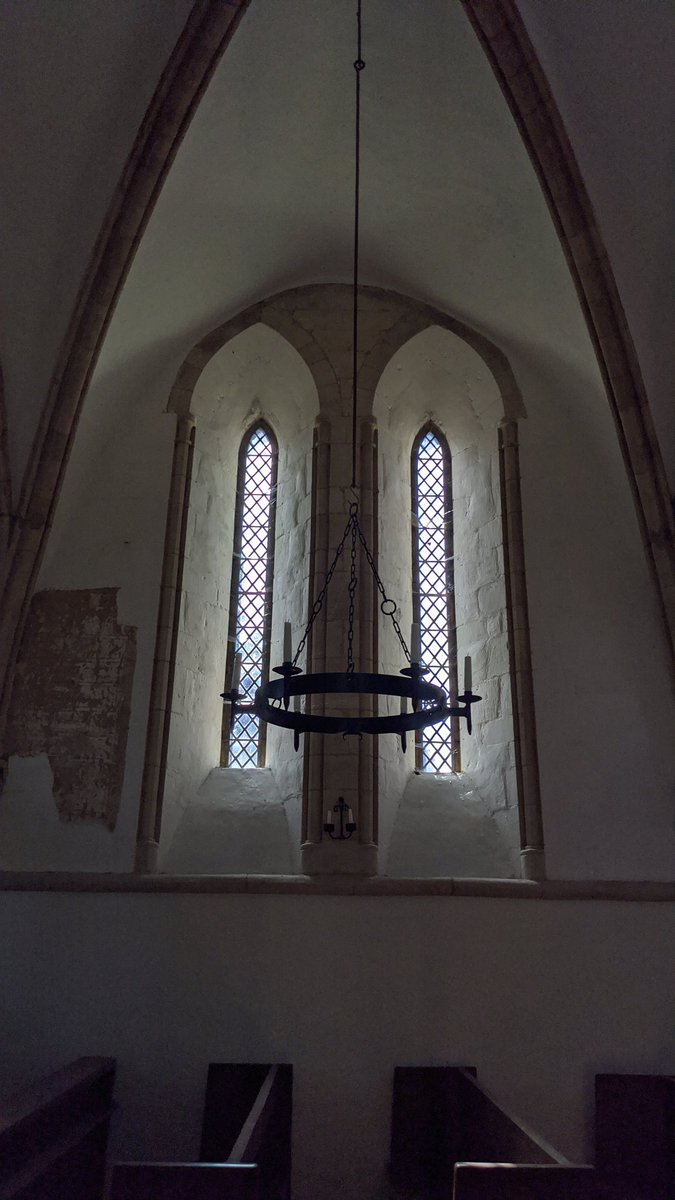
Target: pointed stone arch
205, 39
503, 36
185, 401
403, 319
504, 422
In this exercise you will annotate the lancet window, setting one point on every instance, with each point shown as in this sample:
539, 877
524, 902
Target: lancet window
437, 748
251, 591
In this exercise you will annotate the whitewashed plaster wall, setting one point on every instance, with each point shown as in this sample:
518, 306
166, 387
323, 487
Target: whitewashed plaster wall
108, 532
437, 377
538, 995
255, 375
604, 699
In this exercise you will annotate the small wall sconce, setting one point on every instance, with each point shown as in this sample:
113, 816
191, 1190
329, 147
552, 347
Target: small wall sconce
346, 821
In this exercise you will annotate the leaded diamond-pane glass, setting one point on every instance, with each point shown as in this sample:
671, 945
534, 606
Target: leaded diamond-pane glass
251, 599
433, 589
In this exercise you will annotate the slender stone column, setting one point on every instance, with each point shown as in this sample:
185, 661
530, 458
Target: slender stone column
524, 725
315, 659
152, 788
336, 766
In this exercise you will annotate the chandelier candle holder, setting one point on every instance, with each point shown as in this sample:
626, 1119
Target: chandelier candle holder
346, 819
428, 702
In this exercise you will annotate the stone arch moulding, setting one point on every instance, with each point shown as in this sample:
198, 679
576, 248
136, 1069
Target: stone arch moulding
198, 51
502, 34
157, 747
409, 318
205, 38
417, 318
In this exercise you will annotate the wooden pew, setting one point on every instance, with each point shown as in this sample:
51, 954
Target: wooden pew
53, 1134
508, 1181
255, 1104
635, 1136
449, 1136
441, 1116
185, 1181
245, 1146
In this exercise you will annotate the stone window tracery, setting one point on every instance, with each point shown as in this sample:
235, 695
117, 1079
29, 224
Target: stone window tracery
251, 590
437, 748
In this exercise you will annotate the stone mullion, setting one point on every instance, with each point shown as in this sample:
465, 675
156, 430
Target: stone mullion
520, 658
337, 767
168, 617
317, 640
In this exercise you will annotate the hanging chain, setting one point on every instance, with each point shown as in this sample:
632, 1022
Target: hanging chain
387, 606
353, 580
318, 603
390, 610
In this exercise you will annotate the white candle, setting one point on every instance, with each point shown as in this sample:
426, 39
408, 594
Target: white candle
414, 642
236, 672
288, 644
350, 817
467, 673
296, 703
329, 817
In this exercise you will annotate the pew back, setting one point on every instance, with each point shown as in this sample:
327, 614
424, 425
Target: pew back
489, 1133
635, 1135
506, 1181
245, 1146
442, 1116
185, 1181
53, 1134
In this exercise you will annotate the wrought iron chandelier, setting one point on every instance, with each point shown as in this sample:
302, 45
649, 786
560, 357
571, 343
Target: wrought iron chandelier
428, 701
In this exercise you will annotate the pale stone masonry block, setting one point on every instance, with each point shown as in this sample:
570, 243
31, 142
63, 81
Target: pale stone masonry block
491, 597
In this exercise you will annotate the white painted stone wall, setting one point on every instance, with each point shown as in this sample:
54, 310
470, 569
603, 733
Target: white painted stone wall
603, 685
108, 532
604, 705
237, 823
444, 826
437, 377
537, 995
255, 375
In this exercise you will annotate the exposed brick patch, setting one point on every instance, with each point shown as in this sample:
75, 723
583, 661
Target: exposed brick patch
72, 696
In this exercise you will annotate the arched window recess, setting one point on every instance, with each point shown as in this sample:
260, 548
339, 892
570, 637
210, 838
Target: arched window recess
433, 589
250, 620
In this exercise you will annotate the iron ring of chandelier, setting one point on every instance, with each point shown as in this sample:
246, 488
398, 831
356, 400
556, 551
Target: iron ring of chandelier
271, 703
412, 688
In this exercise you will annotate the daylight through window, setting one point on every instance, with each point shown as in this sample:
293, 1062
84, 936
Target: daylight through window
433, 589
251, 591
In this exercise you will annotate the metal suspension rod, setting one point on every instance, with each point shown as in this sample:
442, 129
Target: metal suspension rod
358, 67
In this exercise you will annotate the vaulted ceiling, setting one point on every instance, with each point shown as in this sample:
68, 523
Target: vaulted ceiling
260, 195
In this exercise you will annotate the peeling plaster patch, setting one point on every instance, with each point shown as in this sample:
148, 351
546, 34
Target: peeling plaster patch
72, 697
